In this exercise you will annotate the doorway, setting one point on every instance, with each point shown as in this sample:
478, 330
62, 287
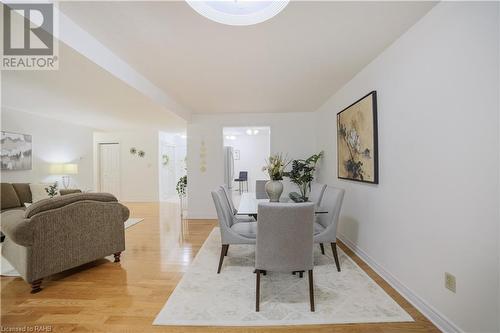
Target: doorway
109, 168
168, 175
245, 150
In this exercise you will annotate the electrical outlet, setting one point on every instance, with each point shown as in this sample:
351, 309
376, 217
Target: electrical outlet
450, 282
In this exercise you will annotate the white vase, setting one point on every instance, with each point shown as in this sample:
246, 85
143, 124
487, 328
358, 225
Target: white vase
274, 188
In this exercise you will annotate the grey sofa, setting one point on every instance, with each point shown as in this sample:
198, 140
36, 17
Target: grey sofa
60, 233
14, 195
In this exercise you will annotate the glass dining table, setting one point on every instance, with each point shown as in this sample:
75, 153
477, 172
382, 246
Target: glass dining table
249, 204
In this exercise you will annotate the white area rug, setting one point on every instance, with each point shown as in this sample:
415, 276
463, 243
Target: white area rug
7, 269
206, 298
132, 221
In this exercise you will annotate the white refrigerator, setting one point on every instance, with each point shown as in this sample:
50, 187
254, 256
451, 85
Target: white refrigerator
228, 166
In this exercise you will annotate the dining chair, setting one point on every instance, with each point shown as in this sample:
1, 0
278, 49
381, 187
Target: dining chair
230, 232
242, 181
317, 192
325, 226
229, 198
260, 189
284, 241
316, 195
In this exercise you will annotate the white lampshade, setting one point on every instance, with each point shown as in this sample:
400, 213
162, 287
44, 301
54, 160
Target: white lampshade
70, 169
64, 169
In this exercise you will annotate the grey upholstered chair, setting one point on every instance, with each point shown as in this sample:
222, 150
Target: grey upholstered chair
260, 189
316, 195
229, 198
231, 232
285, 241
325, 227
317, 191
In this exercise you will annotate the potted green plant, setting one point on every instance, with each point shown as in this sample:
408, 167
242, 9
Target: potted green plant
181, 186
275, 167
302, 174
52, 190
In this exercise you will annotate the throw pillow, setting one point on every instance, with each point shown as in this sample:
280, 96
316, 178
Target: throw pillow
38, 192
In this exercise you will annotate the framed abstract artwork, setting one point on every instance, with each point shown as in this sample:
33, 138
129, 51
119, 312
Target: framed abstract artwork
357, 141
16, 151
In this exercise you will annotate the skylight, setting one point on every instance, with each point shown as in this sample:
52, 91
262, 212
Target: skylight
238, 12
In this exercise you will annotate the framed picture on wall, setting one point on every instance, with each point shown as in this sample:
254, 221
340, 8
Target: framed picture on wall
16, 151
236, 154
357, 141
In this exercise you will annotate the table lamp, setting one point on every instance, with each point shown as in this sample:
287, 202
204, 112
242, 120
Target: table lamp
65, 170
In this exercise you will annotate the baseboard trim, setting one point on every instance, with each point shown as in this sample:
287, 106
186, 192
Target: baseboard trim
441, 321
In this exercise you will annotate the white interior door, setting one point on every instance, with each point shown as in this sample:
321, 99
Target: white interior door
109, 171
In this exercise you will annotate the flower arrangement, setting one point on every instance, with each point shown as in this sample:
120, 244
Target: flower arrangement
302, 174
275, 166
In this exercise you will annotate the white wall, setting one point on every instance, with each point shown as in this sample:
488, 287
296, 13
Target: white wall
291, 133
254, 150
53, 142
139, 175
498, 10
436, 208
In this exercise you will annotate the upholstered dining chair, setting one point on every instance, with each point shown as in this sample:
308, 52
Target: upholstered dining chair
325, 226
316, 195
260, 189
284, 241
229, 198
231, 232
317, 192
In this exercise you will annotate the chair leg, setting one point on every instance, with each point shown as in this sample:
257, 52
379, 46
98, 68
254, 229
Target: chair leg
222, 253
311, 290
36, 286
117, 256
227, 249
336, 256
322, 248
257, 290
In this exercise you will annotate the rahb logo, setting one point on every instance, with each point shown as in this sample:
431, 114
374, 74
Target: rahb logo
28, 37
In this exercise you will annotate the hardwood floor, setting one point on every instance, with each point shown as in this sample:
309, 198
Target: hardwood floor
125, 297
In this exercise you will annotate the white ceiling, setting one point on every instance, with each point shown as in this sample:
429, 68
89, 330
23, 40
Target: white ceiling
81, 92
293, 62
290, 63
